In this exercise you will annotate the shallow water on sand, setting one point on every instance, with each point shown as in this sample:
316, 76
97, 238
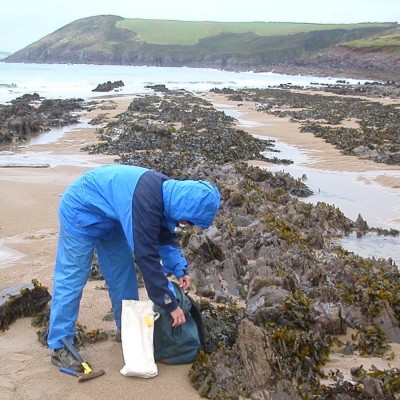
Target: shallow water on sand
8, 255
378, 205
44, 159
56, 133
372, 245
353, 193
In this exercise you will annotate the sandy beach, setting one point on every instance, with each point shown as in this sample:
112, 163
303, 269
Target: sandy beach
28, 238
325, 156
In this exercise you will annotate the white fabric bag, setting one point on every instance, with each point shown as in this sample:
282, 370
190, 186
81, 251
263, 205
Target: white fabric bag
137, 327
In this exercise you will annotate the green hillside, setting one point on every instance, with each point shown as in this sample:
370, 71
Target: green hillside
385, 40
261, 46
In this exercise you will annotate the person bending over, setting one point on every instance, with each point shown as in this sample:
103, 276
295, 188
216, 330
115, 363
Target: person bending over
126, 214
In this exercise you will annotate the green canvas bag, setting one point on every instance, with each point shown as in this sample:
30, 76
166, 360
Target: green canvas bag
178, 345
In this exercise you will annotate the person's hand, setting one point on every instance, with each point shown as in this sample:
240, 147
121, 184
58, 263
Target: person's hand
178, 317
184, 282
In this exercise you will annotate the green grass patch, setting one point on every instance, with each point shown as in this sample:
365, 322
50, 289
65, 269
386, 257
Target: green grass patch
384, 40
164, 32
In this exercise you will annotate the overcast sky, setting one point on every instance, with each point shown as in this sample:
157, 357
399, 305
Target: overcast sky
22, 22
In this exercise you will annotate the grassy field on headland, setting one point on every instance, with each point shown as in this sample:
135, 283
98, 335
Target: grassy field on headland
168, 32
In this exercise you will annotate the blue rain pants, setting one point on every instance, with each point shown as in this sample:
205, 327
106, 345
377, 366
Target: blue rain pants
72, 270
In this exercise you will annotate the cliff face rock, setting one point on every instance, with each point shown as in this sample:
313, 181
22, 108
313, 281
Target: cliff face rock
381, 63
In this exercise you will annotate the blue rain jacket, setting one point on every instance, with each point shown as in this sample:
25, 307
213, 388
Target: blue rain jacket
147, 205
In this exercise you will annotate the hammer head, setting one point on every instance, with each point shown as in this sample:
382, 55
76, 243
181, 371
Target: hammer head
82, 377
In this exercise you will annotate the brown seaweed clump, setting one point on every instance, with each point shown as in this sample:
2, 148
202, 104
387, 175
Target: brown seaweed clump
30, 114
23, 300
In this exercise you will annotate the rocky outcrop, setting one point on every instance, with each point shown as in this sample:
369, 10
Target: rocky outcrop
108, 86
366, 63
30, 114
273, 291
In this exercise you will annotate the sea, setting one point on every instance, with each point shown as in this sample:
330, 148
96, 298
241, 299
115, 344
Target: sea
351, 193
77, 80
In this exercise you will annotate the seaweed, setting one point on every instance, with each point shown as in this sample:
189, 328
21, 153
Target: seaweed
23, 300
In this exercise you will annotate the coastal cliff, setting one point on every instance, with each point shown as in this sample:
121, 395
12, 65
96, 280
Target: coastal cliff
368, 50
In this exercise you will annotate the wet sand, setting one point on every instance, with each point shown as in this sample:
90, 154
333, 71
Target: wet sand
325, 156
28, 237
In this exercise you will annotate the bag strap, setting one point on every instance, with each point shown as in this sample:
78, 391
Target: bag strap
179, 292
196, 315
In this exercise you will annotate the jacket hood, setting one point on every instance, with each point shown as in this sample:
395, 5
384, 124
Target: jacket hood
193, 201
